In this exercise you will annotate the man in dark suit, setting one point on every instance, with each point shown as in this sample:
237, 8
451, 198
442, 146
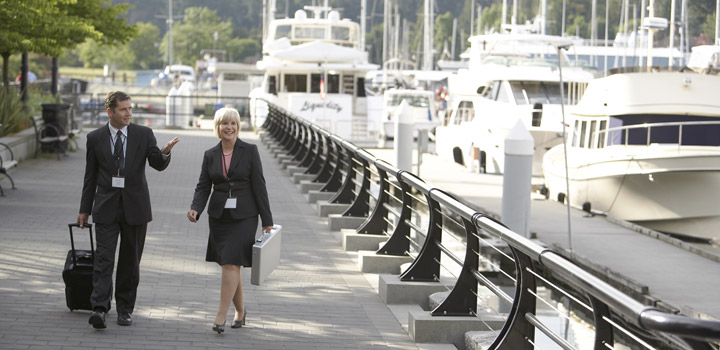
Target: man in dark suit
115, 192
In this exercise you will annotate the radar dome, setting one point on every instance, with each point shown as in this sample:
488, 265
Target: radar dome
300, 14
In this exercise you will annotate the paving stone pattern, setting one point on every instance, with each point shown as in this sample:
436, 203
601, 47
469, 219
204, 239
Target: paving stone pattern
316, 299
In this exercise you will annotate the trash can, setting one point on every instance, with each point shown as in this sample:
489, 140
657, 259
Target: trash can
57, 115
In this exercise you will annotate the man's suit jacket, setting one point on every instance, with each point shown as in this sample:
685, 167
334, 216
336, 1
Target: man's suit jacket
246, 182
99, 198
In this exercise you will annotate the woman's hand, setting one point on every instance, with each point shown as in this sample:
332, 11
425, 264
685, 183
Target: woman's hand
192, 215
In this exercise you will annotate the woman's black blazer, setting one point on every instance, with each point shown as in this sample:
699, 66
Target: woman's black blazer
245, 181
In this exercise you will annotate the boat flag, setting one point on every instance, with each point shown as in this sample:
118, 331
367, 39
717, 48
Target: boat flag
322, 86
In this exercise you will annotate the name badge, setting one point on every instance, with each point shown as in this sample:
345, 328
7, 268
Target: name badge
118, 182
231, 203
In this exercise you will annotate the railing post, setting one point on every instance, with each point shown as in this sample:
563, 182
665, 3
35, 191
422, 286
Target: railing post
399, 241
345, 194
310, 147
426, 267
603, 330
334, 183
462, 300
318, 147
517, 329
361, 204
375, 223
326, 170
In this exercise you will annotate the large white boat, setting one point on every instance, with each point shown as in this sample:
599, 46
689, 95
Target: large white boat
315, 68
421, 103
510, 77
645, 148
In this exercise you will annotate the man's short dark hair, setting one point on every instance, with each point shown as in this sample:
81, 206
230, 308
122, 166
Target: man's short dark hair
113, 97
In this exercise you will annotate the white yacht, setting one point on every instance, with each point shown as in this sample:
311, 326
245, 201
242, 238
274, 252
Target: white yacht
645, 148
421, 104
510, 77
315, 68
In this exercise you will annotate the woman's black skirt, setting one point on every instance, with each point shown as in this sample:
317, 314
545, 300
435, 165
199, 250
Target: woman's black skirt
231, 240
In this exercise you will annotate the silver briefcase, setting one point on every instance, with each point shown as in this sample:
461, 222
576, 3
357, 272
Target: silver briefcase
265, 255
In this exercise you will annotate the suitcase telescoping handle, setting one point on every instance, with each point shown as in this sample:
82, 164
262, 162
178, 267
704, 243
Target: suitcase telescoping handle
72, 240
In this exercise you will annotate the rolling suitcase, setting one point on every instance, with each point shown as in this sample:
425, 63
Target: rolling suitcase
265, 255
78, 274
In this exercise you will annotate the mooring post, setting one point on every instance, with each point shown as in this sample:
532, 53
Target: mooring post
517, 179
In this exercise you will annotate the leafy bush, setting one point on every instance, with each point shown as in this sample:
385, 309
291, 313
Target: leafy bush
12, 116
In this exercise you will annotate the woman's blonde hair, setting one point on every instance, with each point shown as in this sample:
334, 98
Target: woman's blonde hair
225, 114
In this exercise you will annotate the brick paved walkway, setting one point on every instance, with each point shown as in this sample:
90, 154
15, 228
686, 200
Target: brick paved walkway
316, 299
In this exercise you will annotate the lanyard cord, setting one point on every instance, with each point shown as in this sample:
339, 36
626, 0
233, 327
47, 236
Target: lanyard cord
226, 173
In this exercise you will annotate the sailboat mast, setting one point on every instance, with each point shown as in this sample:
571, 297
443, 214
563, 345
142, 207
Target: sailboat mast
717, 22
504, 15
363, 24
427, 43
672, 34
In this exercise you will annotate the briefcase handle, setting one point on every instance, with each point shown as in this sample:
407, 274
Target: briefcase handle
273, 231
72, 240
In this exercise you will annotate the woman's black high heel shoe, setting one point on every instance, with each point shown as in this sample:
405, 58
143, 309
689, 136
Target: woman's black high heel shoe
240, 323
219, 328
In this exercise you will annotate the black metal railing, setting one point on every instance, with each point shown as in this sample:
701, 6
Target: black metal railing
495, 272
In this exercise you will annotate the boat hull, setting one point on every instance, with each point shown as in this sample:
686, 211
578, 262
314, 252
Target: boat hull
676, 195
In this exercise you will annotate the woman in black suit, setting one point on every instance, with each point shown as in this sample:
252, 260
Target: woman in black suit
233, 170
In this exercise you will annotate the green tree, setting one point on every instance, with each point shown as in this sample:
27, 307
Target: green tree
195, 33
93, 54
243, 49
443, 32
49, 26
144, 47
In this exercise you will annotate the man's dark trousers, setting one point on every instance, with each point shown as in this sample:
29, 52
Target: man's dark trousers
127, 278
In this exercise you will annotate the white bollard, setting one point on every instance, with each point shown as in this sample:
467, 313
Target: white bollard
403, 141
517, 180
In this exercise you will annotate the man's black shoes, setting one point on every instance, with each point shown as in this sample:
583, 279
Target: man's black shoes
124, 319
97, 319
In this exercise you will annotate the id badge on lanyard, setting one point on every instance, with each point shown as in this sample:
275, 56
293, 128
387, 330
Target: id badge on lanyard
118, 181
231, 202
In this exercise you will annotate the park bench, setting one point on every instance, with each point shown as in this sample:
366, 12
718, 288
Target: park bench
50, 137
5, 165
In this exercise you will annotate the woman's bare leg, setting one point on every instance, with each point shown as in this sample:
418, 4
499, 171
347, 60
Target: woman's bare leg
238, 299
228, 286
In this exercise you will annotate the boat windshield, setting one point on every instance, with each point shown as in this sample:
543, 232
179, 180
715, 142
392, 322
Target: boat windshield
531, 92
412, 100
343, 34
664, 129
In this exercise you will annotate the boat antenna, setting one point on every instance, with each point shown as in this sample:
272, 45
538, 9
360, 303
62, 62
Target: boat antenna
564, 124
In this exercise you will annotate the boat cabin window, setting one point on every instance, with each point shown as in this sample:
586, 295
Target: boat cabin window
282, 32
309, 32
315, 82
591, 134
360, 87
465, 112
663, 129
412, 100
295, 83
490, 91
332, 84
271, 86
583, 129
531, 92
602, 134
340, 33
235, 76
501, 94
576, 134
